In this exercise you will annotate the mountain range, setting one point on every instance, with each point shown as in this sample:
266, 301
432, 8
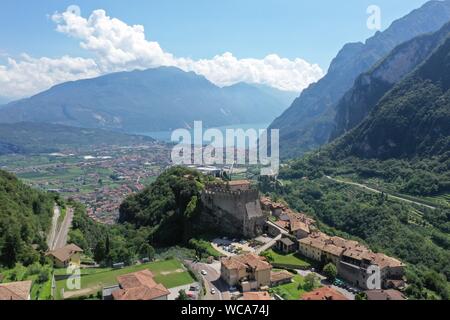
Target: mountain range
309, 122
159, 99
411, 120
371, 86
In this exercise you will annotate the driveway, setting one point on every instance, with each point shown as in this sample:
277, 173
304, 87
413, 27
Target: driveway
174, 292
212, 280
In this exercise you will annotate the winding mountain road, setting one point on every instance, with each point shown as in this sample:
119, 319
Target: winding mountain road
58, 234
54, 227
362, 186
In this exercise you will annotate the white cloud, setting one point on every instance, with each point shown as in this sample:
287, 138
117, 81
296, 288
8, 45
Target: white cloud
117, 46
29, 75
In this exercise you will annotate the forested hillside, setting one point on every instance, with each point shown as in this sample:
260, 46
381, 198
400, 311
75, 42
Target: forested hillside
168, 207
25, 217
412, 120
371, 86
415, 234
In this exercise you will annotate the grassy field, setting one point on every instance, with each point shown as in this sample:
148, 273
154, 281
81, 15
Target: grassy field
291, 291
170, 273
292, 260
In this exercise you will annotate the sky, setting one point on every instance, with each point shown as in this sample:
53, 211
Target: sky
286, 44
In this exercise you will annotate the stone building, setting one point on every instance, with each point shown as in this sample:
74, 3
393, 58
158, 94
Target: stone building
352, 259
249, 271
235, 208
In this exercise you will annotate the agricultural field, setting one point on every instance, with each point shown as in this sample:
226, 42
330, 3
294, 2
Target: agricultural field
98, 178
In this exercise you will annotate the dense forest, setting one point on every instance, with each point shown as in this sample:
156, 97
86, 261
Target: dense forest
25, 217
109, 244
169, 206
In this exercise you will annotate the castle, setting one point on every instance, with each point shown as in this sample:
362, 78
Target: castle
235, 208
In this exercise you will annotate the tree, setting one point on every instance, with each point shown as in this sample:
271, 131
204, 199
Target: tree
99, 252
361, 296
43, 276
268, 255
182, 295
330, 271
311, 282
11, 248
147, 251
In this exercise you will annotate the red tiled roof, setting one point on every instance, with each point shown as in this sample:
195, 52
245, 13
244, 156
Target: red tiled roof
323, 293
390, 294
256, 296
15, 290
280, 276
246, 260
139, 286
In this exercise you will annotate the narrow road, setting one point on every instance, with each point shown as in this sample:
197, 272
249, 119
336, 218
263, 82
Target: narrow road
61, 238
378, 191
212, 280
52, 234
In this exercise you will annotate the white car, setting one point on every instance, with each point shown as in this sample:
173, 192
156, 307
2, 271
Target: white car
213, 291
204, 272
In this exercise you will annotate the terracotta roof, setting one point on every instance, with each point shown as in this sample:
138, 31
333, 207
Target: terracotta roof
349, 248
65, 253
390, 294
139, 286
15, 290
383, 260
244, 261
282, 224
323, 293
256, 296
133, 280
280, 276
299, 225
333, 250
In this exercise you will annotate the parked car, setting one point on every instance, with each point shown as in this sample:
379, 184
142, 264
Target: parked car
213, 291
204, 272
193, 288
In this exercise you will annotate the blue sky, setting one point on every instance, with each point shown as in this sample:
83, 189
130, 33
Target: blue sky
313, 30
200, 29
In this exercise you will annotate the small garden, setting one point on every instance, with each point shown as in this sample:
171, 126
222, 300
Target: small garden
288, 261
298, 286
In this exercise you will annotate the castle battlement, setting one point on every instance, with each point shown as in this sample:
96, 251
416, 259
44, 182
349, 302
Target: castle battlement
238, 202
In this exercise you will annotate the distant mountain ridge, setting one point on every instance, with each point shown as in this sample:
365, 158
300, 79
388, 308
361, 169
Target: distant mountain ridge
158, 99
371, 86
412, 120
27, 138
308, 123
